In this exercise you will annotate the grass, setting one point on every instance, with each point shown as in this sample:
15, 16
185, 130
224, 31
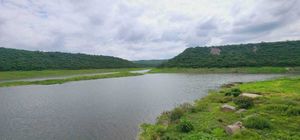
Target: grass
61, 81
275, 115
15, 75
228, 70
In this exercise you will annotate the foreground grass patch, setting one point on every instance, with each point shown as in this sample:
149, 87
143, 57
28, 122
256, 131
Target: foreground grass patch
228, 70
274, 115
61, 81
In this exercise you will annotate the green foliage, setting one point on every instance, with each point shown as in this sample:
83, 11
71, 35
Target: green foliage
16, 60
218, 132
257, 122
200, 136
274, 116
243, 55
293, 111
234, 92
277, 108
185, 126
149, 63
151, 132
243, 102
176, 114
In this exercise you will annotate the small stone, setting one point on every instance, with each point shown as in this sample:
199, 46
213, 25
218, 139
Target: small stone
250, 95
234, 128
241, 110
227, 108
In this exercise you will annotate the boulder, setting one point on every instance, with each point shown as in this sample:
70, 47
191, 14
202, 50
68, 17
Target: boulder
240, 111
227, 108
250, 95
234, 128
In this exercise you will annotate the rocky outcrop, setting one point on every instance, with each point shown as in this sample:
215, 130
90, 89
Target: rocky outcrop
227, 108
234, 128
250, 95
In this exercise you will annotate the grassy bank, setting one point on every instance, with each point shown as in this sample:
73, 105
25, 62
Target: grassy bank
61, 81
274, 115
15, 75
255, 70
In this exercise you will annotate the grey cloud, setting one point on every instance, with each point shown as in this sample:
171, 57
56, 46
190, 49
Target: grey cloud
141, 29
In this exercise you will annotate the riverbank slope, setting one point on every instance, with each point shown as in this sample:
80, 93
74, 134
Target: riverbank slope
275, 114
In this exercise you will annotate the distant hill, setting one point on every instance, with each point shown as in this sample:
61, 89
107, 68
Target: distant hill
149, 63
286, 53
13, 59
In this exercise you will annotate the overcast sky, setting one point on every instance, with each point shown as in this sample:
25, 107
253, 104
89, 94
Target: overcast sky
143, 29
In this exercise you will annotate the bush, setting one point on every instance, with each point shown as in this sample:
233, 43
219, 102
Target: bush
185, 126
226, 99
293, 111
243, 102
202, 107
200, 136
233, 92
277, 108
187, 107
176, 114
257, 122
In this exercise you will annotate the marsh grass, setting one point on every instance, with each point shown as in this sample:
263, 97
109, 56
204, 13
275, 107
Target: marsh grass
61, 81
15, 75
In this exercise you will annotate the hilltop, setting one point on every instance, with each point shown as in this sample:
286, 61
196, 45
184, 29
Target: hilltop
13, 59
285, 53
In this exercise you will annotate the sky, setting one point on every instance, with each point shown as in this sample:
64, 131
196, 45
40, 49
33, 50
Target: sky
143, 29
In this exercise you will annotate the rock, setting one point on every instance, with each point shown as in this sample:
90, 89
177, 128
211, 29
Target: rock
227, 108
250, 95
240, 111
215, 51
234, 128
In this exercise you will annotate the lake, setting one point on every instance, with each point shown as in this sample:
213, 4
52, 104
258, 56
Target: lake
105, 109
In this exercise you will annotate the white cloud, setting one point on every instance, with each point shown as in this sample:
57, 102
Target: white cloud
142, 29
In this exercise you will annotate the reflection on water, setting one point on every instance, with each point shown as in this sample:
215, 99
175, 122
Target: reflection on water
106, 109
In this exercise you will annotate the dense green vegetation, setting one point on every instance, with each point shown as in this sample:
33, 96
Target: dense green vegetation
229, 70
15, 75
274, 115
65, 80
244, 55
12, 60
149, 63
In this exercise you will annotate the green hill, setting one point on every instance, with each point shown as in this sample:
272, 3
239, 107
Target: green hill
13, 59
285, 53
150, 63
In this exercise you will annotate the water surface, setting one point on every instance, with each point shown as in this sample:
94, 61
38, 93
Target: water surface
106, 109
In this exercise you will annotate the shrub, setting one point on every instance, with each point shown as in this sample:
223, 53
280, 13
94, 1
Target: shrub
176, 114
257, 122
188, 107
234, 92
218, 132
243, 102
152, 132
200, 136
202, 107
293, 111
277, 108
169, 137
185, 126
226, 99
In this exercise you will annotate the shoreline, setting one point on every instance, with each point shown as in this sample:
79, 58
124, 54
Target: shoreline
70, 79
278, 105
246, 70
